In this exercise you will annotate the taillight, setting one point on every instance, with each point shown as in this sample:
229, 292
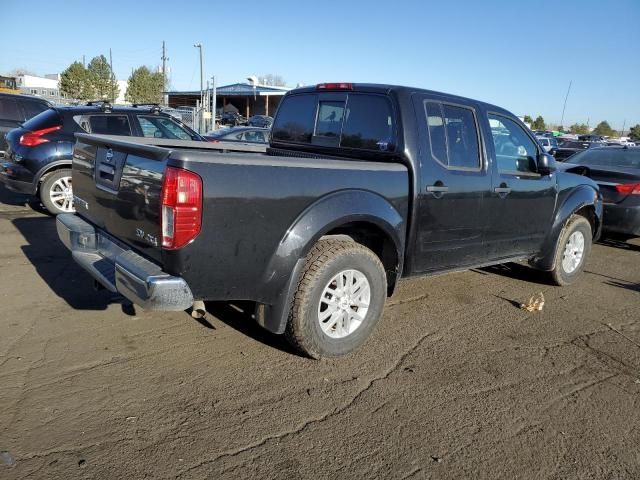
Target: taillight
181, 207
628, 188
34, 138
334, 86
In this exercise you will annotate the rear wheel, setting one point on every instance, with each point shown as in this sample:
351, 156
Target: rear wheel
572, 250
56, 193
339, 300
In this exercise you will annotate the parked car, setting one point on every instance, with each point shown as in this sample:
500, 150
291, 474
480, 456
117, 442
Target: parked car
239, 134
617, 171
549, 144
263, 121
16, 109
232, 118
362, 185
38, 156
567, 148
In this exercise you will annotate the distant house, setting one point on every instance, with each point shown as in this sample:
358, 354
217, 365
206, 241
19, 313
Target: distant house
245, 98
46, 86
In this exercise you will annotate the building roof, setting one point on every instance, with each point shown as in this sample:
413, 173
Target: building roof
240, 89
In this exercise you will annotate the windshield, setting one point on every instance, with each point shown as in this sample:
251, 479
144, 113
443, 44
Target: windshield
608, 157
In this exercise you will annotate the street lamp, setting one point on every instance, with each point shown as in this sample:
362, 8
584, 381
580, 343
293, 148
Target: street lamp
199, 46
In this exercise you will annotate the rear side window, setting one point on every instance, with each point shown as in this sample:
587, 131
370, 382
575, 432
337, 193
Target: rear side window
9, 110
47, 119
453, 136
360, 121
109, 125
31, 109
295, 120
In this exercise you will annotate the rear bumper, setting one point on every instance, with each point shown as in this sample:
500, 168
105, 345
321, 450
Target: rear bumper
16, 178
120, 269
621, 219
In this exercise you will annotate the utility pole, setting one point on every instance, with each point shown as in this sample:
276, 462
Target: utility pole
112, 77
214, 101
565, 103
199, 46
84, 63
624, 124
164, 73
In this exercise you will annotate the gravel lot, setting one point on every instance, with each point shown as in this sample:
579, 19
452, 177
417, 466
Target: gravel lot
457, 382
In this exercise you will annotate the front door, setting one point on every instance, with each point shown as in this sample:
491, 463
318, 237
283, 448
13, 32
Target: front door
522, 201
452, 211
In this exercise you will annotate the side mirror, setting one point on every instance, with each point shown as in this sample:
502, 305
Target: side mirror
546, 164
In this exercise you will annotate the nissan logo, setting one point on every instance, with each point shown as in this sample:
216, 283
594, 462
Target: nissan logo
109, 156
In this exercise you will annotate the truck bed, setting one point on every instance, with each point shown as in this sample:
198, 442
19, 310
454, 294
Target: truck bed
252, 203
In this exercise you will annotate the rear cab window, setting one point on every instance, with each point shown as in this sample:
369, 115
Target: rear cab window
353, 120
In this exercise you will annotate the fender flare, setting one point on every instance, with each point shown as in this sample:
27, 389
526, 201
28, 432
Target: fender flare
325, 214
37, 178
580, 197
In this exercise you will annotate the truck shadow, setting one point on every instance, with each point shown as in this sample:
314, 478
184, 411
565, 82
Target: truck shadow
239, 316
517, 272
20, 200
619, 241
53, 263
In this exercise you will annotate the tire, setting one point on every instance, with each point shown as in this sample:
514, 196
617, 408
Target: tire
566, 266
55, 192
329, 262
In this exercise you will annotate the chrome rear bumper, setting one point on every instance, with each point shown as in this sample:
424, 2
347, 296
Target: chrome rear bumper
120, 269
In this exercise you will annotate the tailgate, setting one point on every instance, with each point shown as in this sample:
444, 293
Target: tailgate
117, 185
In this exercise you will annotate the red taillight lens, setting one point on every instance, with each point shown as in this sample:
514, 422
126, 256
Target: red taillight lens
628, 188
181, 207
334, 86
34, 138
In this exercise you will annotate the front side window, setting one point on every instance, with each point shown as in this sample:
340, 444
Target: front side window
108, 125
515, 151
453, 136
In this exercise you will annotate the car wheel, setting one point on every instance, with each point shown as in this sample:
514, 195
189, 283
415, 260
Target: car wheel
572, 250
339, 299
56, 194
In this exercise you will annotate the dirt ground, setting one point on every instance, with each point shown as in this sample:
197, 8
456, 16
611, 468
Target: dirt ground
457, 382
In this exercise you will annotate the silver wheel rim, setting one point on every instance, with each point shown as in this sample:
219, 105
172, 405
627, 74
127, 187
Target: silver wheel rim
573, 252
61, 194
344, 303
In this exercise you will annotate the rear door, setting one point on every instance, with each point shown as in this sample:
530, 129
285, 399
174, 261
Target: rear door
522, 201
453, 212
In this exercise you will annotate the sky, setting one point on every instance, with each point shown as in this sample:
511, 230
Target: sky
520, 55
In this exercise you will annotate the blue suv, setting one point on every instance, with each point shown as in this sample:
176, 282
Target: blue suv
38, 156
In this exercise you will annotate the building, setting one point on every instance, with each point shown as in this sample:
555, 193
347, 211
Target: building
46, 86
246, 98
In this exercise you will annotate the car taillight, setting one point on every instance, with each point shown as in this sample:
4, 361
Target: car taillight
181, 207
628, 188
34, 138
335, 86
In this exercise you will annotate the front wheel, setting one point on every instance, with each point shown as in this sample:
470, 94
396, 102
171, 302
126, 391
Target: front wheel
56, 194
572, 250
339, 300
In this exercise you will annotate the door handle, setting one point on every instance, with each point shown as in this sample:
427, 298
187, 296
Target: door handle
437, 189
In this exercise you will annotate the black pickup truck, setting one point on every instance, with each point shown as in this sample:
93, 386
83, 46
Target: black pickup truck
362, 185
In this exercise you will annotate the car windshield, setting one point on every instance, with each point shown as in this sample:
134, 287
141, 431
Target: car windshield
608, 157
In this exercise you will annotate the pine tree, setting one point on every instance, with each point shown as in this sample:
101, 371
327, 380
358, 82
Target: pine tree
75, 83
102, 78
144, 86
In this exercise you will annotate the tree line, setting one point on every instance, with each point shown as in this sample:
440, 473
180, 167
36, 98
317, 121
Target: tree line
97, 81
603, 128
